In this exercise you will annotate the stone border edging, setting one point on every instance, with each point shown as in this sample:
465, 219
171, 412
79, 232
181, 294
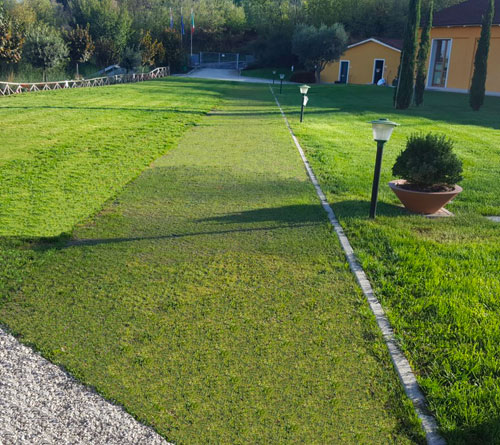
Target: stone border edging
401, 363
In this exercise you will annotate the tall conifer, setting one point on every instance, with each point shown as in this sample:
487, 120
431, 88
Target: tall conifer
404, 91
478, 86
423, 54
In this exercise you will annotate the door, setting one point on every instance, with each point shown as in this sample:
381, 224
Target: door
378, 70
344, 71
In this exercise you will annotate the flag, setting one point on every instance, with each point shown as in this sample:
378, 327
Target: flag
192, 21
182, 24
171, 19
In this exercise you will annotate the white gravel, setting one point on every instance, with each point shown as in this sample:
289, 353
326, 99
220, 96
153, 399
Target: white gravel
41, 404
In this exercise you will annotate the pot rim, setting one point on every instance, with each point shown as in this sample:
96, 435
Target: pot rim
396, 182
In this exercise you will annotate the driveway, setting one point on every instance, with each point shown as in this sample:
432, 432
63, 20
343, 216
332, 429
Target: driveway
224, 74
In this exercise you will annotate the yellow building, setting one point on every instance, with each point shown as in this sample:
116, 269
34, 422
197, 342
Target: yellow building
366, 62
454, 36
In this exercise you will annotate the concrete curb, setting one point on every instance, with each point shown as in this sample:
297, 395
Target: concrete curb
403, 368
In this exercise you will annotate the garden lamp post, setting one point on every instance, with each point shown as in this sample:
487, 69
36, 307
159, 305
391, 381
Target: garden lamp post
282, 76
303, 90
382, 131
274, 75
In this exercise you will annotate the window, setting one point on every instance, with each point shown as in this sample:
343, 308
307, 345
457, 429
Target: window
440, 60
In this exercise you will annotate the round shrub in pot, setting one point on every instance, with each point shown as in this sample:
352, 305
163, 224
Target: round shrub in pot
429, 172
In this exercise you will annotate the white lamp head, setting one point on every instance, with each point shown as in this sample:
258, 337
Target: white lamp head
274, 72
304, 89
282, 76
382, 129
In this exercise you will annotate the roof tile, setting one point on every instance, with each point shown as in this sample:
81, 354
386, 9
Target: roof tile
468, 13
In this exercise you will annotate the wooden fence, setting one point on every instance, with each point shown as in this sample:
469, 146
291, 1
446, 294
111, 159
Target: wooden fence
8, 88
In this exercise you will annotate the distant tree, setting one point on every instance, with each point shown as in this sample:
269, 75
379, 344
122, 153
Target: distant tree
80, 44
171, 41
131, 59
45, 48
109, 20
11, 40
152, 50
478, 86
404, 91
316, 47
106, 52
423, 54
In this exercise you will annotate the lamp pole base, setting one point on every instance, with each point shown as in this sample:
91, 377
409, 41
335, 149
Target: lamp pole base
376, 179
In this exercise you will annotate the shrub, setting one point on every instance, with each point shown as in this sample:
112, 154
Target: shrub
428, 163
303, 77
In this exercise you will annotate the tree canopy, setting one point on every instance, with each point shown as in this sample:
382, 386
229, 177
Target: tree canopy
316, 47
264, 28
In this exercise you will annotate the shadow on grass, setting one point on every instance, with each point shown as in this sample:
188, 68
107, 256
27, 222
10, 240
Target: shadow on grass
484, 433
59, 243
362, 99
286, 217
300, 213
361, 209
148, 110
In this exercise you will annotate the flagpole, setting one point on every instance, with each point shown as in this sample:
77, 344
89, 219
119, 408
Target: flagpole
192, 31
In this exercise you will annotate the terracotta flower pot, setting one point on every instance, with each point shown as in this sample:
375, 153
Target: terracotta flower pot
423, 202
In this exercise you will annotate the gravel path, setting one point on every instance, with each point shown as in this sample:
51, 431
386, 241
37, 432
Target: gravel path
40, 404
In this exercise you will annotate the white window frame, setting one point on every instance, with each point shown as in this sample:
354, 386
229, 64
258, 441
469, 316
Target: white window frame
374, 66
348, 70
430, 72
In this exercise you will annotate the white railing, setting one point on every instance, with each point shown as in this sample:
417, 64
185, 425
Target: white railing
8, 88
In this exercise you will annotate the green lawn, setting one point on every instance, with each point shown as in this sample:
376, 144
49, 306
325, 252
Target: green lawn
209, 297
438, 279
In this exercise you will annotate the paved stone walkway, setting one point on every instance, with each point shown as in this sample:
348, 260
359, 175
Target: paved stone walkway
229, 75
40, 404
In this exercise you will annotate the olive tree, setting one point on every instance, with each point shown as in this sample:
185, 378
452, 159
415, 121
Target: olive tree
45, 48
316, 47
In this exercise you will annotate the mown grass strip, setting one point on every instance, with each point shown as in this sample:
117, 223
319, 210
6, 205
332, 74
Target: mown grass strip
403, 368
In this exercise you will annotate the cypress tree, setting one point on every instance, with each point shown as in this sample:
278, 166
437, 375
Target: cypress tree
478, 86
423, 53
404, 91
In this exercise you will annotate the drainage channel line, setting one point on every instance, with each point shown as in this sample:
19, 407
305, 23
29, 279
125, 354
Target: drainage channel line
403, 368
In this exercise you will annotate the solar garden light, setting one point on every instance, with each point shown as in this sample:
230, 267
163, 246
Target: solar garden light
303, 90
274, 75
382, 131
282, 76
